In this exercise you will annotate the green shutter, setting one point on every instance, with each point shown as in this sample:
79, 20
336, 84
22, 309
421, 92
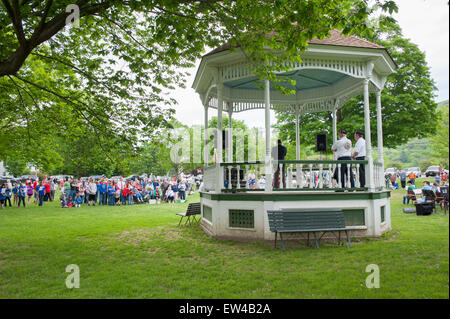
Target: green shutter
354, 217
382, 213
207, 213
241, 218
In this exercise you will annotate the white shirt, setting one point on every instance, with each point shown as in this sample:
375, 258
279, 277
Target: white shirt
360, 147
342, 147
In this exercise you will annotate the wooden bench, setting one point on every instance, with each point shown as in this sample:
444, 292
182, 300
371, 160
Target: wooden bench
192, 210
309, 221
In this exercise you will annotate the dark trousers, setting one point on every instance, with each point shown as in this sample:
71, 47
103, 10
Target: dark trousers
344, 171
41, 199
362, 171
103, 198
182, 195
276, 182
22, 199
8, 199
403, 183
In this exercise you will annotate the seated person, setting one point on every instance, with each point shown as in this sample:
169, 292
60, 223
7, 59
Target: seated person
63, 201
426, 186
408, 197
78, 200
69, 202
138, 196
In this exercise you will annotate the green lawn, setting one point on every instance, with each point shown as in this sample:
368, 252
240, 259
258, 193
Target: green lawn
139, 252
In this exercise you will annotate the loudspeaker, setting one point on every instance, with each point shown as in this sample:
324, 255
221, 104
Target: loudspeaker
224, 139
321, 142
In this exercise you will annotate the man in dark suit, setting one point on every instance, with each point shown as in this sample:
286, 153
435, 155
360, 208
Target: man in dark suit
279, 153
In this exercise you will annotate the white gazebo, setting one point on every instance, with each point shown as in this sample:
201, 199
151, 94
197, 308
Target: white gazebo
332, 71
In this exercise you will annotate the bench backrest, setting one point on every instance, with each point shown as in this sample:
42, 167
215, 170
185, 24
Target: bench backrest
193, 209
411, 194
285, 220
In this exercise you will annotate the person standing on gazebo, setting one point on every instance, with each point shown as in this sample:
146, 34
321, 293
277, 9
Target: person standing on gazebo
343, 147
278, 154
359, 154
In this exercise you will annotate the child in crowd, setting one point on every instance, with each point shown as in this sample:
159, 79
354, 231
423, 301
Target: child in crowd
63, 201
117, 195
41, 192
8, 194
36, 192
2, 196
78, 200
111, 194
30, 191
169, 194
70, 202
22, 193
138, 195
15, 191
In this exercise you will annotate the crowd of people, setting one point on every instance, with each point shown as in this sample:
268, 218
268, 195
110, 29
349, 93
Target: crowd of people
91, 192
391, 179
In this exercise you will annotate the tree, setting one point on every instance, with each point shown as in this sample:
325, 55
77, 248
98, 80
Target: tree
112, 72
407, 100
439, 140
16, 167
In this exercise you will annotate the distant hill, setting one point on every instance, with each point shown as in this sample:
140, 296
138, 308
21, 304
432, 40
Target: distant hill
414, 153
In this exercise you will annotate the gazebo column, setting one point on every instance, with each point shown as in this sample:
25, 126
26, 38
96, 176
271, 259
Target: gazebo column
205, 138
230, 132
370, 183
297, 145
219, 159
380, 134
297, 135
335, 125
379, 128
268, 159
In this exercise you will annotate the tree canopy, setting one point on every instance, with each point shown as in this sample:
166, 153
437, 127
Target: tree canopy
107, 80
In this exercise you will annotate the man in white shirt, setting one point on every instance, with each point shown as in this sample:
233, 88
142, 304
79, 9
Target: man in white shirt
359, 154
343, 147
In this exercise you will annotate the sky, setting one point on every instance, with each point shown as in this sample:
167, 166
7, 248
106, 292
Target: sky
424, 22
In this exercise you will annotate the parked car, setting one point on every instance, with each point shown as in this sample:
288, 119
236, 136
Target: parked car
133, 177
96, 177
23, 178
391, 170
415, 170
4, 179
433, 171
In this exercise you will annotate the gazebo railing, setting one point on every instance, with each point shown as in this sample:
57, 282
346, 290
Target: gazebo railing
378, 175
299, 175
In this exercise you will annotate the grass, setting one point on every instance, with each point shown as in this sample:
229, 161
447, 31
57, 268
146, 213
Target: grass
139, 252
